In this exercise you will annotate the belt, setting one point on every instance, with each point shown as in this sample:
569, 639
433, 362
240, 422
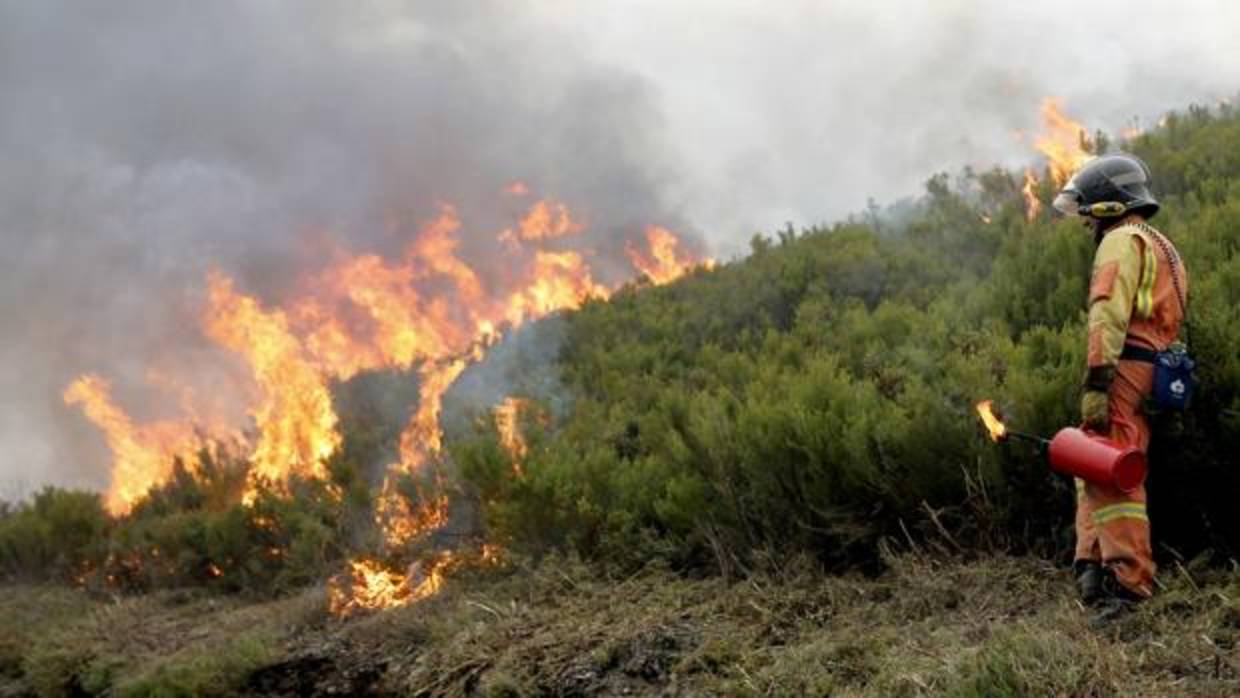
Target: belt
1133, 352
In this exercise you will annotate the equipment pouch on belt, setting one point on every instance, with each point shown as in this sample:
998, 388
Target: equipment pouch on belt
1174, 381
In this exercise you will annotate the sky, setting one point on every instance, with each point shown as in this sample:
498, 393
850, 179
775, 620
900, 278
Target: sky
143, 142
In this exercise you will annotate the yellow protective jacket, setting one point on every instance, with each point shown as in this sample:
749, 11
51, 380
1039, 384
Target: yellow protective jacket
1132, 298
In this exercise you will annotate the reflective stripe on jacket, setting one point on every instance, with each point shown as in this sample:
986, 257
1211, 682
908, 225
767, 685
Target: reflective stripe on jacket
1131, 295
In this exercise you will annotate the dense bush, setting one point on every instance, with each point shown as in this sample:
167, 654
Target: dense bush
195, 531
818, 394
56, 534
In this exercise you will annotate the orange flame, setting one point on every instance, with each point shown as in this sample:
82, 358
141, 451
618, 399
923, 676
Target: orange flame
996, 428
142, 456
1033, 205
666, 261
557, 281
546, 221
295, 417
401, 521
368, 585
429, 310
1062, 141
507, 417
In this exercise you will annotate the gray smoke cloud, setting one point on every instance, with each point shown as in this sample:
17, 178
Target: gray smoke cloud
799, 110
145, 141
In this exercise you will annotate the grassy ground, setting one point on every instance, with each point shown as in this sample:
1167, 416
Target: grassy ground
998, 627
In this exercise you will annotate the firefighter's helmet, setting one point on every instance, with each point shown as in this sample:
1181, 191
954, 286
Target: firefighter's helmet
1108, 187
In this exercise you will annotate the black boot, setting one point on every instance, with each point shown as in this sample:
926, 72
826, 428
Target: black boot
1089, 581
1117, 602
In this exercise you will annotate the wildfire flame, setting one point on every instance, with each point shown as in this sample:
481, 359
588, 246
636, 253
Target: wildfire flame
367, 585
142, 456
1062, 141
370, 585
295, 417
507, 417
1033, 205
546, 220
666, 261
429, 311
996, 428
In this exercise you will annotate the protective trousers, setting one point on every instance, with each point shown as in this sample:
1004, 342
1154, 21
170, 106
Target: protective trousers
1112, 526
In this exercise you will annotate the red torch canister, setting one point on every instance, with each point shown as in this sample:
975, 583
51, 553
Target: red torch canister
1097, 459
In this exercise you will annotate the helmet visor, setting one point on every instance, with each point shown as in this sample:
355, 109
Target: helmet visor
1068, 202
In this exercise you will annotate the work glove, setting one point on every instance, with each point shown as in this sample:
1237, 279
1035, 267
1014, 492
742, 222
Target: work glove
1095, 407
1096, 411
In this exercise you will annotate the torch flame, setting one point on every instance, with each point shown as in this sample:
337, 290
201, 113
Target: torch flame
996, 428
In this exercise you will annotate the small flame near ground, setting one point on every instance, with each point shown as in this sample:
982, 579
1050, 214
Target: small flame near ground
370, 584
996, 428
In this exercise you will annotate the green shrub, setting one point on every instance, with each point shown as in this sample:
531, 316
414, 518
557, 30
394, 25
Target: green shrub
55, 535
203, 671
818, 395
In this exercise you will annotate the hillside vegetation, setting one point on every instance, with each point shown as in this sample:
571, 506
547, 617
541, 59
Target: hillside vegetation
768, 478
818, 395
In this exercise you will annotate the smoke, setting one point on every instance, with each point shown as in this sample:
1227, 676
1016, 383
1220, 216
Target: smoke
145, 142
800, 110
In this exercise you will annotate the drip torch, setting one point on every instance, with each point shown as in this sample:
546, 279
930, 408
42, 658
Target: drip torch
1092, 457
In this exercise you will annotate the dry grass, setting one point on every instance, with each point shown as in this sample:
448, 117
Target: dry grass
999, 627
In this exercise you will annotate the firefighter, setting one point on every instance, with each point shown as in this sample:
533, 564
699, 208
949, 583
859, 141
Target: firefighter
1137, 296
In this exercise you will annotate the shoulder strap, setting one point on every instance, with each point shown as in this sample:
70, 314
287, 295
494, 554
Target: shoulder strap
1173, 261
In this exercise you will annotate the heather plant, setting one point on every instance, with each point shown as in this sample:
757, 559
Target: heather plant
817, 395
